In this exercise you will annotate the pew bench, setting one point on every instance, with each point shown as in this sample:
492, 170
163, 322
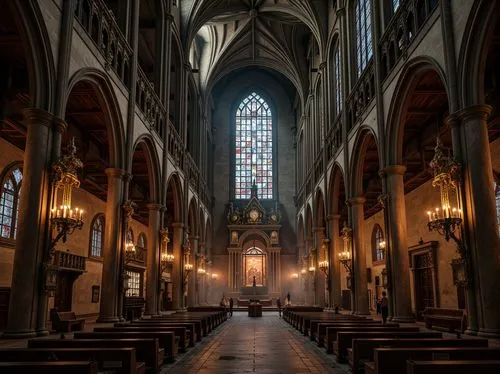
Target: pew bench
452, 319
180, 332
393, 360
191, 334
331, 333
147, 350
166, 339
452, 367
197, 324
67, 322
362, 349
321, 327
120, 360
49, 367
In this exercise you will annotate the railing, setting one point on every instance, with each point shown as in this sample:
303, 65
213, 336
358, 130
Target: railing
361, 95
175, 145
69, 261
405, 24
150, 104
318, 167
334, 138
191, 171
100, 24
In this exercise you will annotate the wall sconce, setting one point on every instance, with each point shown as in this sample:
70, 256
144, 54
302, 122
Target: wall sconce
323, 267
129, 251
215, 276
345, 256
63, 217
166, 258
295, 275
303, 271
312, 260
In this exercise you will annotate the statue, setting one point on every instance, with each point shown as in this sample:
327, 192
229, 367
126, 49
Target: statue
254, 282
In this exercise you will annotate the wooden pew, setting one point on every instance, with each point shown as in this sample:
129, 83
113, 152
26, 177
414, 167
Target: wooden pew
310, 325
454, 367
191, 334
362, 349
49, 367
180, 332
147, 350
166, 339
331, 332
321, 327
205, 329
393, 360
121, 360
67, 322
145, 322
344, 339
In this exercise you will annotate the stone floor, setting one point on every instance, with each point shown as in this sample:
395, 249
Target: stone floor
255, 345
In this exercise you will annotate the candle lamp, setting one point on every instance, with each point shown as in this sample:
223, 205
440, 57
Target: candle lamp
166, 259
295, 275
323, 267
345, 256
64, 218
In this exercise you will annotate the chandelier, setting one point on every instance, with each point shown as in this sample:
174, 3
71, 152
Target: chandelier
166, 258
65, 218
345, 256
324, 264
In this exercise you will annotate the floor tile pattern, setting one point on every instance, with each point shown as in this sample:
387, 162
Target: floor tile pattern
256, 345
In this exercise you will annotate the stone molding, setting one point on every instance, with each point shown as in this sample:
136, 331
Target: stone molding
37, 116
115, 172
392, 170
480, 112
358, 200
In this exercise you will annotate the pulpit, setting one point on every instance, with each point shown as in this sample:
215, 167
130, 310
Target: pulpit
255, 309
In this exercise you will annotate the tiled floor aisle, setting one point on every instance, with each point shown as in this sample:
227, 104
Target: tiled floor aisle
256, 345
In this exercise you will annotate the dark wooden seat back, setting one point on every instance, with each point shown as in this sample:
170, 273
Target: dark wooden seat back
452, 367
52, 367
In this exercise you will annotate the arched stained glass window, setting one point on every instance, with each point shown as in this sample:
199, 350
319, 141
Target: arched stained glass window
395, 5
97, 237
364, 48
10, 191
378, 243
496, 186
253, 148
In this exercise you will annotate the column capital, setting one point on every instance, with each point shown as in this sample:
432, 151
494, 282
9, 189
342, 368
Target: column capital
481, 112
358, 200
37, 116
154, 206
177, 225
333, 217
115, 172
392, 170
60, 125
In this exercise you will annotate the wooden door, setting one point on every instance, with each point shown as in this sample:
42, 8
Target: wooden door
64, 291
424, 283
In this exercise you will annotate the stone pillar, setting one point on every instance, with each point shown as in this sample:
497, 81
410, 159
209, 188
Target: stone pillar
480, 213
176, 276
27, 277
359, 287
319, 235
193, 277
400, 274
334, 271
153, 254
112, 247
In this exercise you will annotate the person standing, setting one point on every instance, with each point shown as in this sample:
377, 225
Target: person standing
231, 306
384, 307
288, 298
278, 304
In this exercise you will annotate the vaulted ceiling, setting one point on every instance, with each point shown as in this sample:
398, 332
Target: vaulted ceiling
225, 35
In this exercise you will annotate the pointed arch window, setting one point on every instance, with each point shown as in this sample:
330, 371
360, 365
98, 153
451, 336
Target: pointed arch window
378, 244
253, 148
338, 80
497, 204
363, 21
10, 192
97, 236
395, 5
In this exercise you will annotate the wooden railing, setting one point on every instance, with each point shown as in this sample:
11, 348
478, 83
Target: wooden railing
100, 24
69, 261
404, 26
361, 95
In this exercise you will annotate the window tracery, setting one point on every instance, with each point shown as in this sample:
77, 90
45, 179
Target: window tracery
364, 48
253, 148
10, 191
97, 237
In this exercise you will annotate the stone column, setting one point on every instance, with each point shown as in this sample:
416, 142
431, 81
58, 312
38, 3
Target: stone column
359, 287
319, 235
176, 276
335, 248
153, 254
193, 277
480, 214
112, 247
27, 277
400, 274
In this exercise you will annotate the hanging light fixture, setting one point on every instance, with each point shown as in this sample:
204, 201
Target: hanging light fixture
324, 264
166, 259
345, 256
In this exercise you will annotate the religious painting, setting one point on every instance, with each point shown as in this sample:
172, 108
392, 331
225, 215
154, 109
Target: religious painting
254, 263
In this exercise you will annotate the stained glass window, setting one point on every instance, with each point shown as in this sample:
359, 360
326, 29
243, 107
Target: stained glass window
395, 5
10, 191
253, 148
364, 49
338, 82
97, 237
497, 204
